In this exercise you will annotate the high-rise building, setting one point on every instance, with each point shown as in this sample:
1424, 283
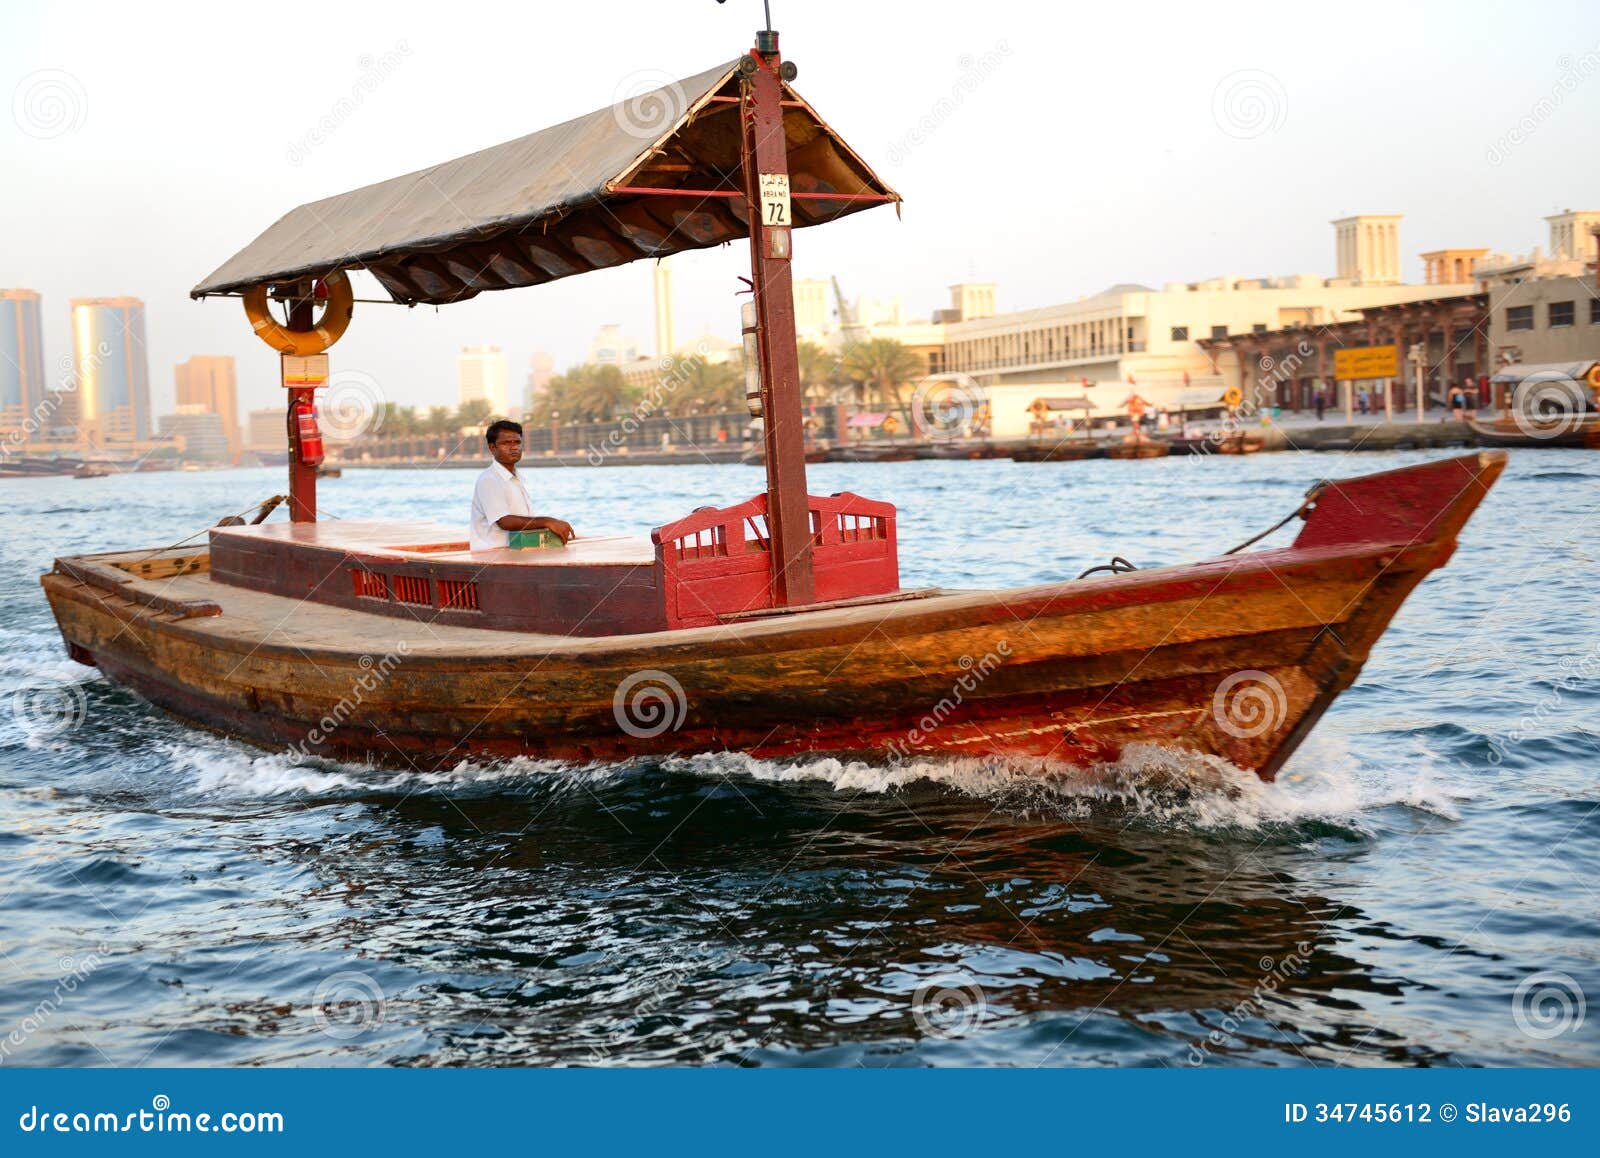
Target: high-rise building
266, 430
209, 382
21, 362
481, 373
199, 428
541, 368
663, 296
111, 402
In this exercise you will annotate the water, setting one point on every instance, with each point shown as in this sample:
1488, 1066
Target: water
1422, 887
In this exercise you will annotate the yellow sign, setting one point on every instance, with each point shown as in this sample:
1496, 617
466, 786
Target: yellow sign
305, 373
1362, 362
891, 424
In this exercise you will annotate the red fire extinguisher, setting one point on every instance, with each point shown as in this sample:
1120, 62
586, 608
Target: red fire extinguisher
308, 435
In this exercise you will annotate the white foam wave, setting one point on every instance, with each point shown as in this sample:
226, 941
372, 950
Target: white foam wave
1151, 784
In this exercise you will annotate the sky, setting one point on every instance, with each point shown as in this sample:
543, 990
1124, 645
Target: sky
1054, 148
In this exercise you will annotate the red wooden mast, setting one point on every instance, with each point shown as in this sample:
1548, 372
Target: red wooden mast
766, 174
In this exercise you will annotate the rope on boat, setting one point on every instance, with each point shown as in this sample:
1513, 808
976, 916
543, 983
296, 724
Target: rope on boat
1117, 566
264, 508
1120, 566
1301, 512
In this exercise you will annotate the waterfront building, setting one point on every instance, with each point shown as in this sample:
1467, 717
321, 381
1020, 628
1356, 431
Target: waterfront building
22, 388
111, 399
266, 430
481, 374
1171, 346
210, 382
200, 432
611, 347
1545, 320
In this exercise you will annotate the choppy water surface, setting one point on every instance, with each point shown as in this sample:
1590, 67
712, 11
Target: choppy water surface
1422, 886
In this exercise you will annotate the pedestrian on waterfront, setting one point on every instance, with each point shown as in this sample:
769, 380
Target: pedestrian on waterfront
1458, 404
1363, 401
1321, 401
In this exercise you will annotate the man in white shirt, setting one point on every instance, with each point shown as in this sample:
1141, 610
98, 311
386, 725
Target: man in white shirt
500, 500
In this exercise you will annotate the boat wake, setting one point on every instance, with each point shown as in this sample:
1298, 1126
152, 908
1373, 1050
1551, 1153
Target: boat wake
1325, 792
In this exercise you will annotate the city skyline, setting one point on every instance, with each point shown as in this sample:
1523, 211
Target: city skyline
1225, 127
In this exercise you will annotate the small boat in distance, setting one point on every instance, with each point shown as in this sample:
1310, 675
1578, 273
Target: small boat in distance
1551, 405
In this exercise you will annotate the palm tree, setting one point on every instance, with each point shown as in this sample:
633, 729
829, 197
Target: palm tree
439, 420
474, 412
696, 384
881, 368
819, 372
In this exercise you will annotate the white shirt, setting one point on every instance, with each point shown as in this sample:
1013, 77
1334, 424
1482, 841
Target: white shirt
498, 493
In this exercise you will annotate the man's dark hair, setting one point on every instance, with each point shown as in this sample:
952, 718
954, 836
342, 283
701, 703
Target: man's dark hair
496, 427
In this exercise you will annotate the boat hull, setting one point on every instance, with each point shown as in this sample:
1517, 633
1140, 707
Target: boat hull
1237, 658
1583, 433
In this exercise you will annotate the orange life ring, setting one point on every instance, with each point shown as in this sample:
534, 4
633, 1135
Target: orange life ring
1594, 375
303, 343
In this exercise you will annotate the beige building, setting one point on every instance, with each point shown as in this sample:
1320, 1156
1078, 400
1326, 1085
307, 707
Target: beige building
1367, 248
1545, 320
208, 381
266, 430
481, 374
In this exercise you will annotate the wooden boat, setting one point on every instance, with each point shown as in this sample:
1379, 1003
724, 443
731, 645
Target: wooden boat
1508, 432
1237, 656
1143, 447
774, 626
1550, 404
1067, 450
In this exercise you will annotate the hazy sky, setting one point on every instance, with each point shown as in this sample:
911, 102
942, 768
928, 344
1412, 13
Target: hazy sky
1087, 144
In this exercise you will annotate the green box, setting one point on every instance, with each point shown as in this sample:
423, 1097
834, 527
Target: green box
523, 540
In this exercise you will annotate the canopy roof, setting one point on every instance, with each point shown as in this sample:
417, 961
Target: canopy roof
1074, 403
1545, 371
561, 201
